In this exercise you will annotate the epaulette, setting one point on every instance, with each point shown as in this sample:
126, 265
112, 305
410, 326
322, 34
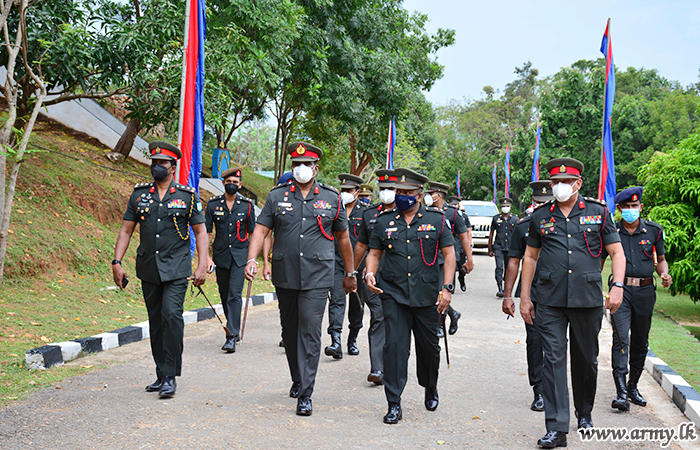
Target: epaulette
330, 188
142, 185
388, 211
548, 202
216, 197
189, 189
435, 209
653, 224
595, 200
283, 185
244, 198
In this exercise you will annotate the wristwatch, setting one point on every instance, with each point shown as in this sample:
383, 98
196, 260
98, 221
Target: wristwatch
351, 274
116, 261
618, 284
450, 287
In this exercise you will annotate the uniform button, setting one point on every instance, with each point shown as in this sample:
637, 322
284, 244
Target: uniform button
409, 226
568, 235
569, 270
301, 236
305, 202
157, 235
408, 241
156, 252
161, 204
409, 274
567, 219
301, 254
229, 235
229, 245
409, 257
304, 218
569, 252
158, 220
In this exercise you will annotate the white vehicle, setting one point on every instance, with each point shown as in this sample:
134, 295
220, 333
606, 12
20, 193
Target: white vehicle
480, 215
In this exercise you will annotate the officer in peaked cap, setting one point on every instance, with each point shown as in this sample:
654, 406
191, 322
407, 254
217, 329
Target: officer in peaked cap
349, 187
308, 218
386, 179
453, 200
641, 239
408, 281
565, 242
499, 240
541, 192
365, 195
165, 211
233, 217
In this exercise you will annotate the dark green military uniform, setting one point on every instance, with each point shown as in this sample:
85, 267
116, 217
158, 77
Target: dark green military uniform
409, 275
230, 251
302, 268
163, 263
502, 227
569, 294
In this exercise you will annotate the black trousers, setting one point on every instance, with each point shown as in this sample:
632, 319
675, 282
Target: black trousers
399, 321
583, 325
301, 314
501, 257
230, 283
338, 301
633, 320
164, 303
376, 333
535, 356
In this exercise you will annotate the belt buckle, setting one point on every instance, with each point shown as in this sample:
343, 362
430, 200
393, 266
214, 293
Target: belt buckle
635, 281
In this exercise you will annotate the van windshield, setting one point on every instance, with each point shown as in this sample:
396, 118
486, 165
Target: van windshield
480, 210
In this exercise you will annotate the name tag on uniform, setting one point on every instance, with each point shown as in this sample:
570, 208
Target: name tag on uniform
426, 227
284, 204
177, 203
322, 204
590, 220
219, 213
389, 230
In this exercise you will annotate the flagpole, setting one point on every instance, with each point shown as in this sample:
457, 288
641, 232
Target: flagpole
182, 83
601, 188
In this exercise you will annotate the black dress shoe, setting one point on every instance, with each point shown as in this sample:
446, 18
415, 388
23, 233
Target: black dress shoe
167, 389
282, 343
454, 318
335, 349
352, 348
585, 422
394, 414
538, 402
376, 377
553, 439
230, 344
499, 294
460, 277
294, 390
304, 406
431, 399
155, 386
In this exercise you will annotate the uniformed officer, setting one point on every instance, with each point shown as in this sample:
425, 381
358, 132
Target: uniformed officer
366, 193
408, 282
502, 229
307, 217
453, 201
541, 192
641, 239
165, 210
567, 236
454, 219
349, 188
386, 180
234, 217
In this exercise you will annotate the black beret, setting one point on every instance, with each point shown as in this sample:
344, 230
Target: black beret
631, 194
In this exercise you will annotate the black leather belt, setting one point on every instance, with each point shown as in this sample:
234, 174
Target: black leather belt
639, 281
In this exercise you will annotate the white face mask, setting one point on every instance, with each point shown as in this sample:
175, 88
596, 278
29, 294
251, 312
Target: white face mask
387, 196
346, 198
562, 191
428, 199
303, 174
505, 209
529, 210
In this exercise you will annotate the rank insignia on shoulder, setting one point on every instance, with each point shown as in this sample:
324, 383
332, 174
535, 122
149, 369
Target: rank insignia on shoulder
426, 227
590, 220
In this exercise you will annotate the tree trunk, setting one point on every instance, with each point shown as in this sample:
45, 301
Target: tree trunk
364, 162
353, 153
126, 141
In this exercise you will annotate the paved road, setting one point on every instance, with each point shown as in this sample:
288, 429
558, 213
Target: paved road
240, 400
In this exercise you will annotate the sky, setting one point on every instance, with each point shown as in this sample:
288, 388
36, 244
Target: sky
495, 36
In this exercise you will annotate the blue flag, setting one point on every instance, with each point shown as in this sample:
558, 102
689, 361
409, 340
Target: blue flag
495, 192
536, 162
606, 185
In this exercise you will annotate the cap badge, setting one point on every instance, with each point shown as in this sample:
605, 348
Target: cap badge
386, 177
634, 198
158, 150
562, 169
300, 149
342, 181
403, 177
544, 190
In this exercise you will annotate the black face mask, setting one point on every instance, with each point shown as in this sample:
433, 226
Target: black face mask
231, 188
159, 172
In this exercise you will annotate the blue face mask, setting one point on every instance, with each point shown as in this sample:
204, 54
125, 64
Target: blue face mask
364, 200
630, 215
405, 202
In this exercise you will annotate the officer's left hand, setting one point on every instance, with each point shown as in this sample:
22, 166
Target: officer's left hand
469, 265
444, 302
200, 276
614, 299
350, 284
666, 280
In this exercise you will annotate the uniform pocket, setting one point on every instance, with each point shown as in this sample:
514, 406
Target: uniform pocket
593, 277
429, 277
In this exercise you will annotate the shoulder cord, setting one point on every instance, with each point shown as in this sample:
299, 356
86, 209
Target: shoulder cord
238, 227
653, 247
188, 218
600, 235
320, 223
436, 245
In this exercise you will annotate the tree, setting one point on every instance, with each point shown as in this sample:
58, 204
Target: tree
14, 141
672, 198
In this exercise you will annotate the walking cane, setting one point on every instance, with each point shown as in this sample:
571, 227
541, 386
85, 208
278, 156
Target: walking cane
247, 302
613, 322
444, 332
201, 291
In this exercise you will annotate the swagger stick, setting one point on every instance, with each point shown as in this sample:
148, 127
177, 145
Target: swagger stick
247, 302
444, 332
201, 291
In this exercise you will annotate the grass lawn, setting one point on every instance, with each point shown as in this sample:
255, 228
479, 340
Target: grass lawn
65, 220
